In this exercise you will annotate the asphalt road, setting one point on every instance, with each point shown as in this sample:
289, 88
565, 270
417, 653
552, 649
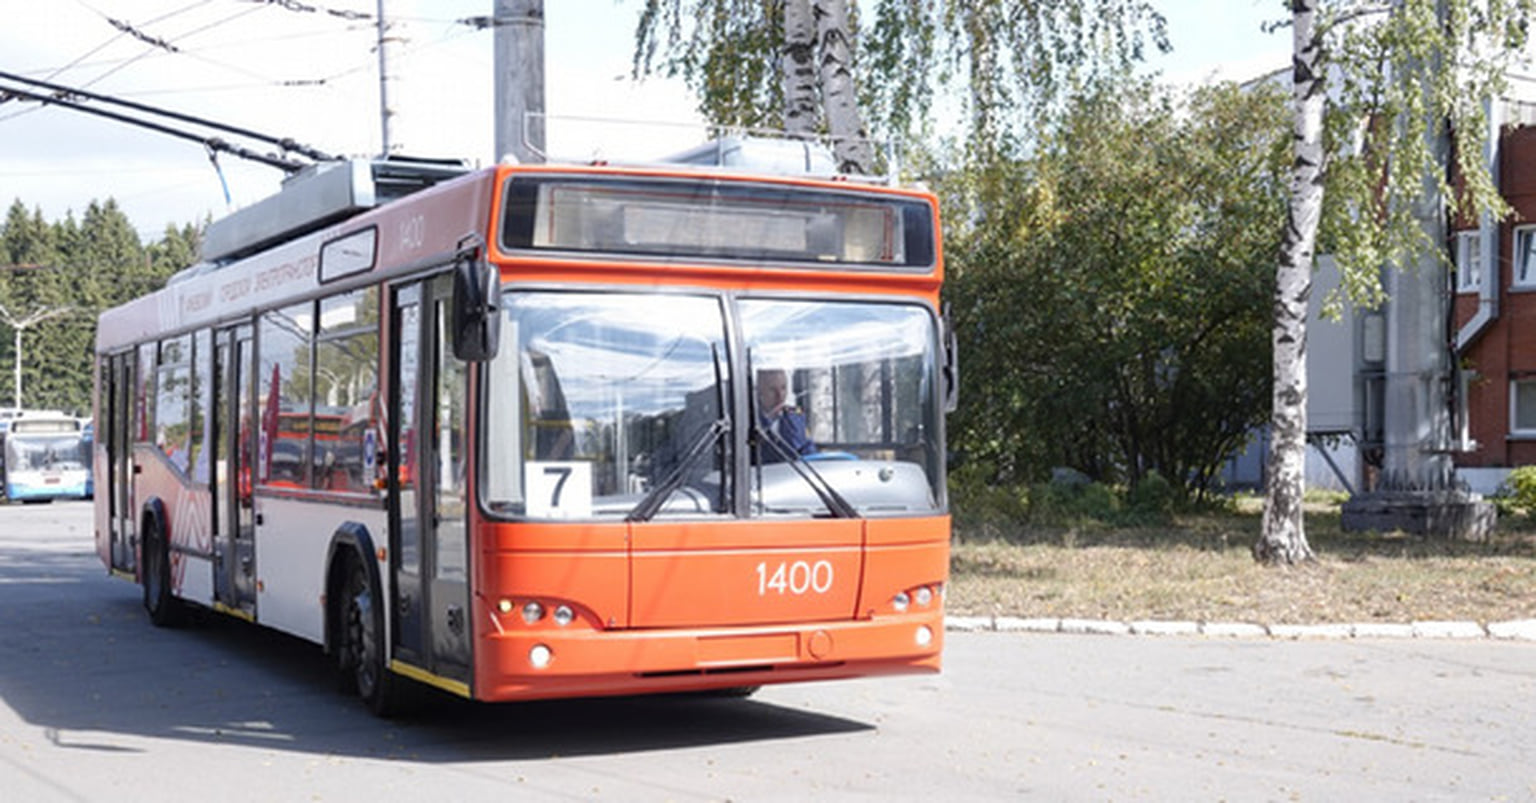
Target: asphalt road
97, 705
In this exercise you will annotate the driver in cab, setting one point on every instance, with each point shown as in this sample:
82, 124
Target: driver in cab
782, 423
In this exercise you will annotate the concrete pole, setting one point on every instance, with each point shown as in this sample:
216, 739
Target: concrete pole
1416, 420
387, 44
520, 79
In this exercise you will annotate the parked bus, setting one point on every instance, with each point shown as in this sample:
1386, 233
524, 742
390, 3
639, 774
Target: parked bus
503, 435
46, 458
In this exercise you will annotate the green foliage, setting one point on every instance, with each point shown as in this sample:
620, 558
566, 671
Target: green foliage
1059, 503
981, 508
999, 56
1154, 496
76, 269
1402, 76
1520, 489
985, 510
1114, 290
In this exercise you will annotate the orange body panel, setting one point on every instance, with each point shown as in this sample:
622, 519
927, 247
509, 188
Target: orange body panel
745, 572
703, 615
592, 663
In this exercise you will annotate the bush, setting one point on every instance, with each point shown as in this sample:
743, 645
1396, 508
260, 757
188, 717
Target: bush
1055, 503
980, 508
1520, 488
1153, 497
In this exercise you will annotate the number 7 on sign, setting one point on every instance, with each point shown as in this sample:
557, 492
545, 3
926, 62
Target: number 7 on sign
559, 490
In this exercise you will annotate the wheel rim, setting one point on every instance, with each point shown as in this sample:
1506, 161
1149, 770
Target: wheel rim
362, 641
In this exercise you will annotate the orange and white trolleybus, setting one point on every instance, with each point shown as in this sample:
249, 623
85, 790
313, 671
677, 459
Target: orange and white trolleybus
540, 431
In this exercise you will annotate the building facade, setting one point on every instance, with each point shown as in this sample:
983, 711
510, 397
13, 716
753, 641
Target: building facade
1493, 313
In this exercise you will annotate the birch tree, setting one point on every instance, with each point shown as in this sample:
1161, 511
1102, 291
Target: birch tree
1374, 85
797, 62
839, 95
993, 55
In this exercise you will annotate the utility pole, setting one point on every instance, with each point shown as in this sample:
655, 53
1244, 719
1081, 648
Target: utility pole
20, 325
387, 44
519, 82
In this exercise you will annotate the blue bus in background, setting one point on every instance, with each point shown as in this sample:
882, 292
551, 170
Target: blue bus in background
47, 457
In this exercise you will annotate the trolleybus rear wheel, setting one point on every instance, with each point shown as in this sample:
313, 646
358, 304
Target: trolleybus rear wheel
163, 607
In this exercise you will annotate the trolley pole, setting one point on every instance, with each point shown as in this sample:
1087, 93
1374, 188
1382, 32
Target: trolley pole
519, 82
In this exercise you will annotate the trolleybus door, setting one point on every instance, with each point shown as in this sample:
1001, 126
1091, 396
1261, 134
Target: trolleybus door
428, 460
118, 393
235, 419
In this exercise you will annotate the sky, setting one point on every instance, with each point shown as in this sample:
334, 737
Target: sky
304, 69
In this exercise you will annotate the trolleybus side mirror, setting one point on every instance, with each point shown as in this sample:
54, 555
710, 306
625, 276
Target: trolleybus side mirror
476, 304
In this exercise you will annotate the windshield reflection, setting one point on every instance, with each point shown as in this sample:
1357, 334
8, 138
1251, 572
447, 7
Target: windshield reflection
622, 405
611, 390
857, 408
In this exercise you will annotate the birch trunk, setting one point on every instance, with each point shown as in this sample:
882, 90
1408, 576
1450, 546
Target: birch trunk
798, 66
839, 97
1283, 539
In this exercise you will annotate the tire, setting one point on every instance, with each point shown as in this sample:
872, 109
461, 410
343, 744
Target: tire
164, 609
361, 655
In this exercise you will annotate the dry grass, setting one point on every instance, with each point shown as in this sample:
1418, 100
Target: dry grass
1200, 569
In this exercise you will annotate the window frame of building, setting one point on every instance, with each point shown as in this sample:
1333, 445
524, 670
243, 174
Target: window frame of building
1522, 263
1469, 261
1517, 427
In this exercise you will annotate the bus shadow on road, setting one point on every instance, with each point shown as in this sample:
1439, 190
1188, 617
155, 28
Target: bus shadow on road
83, 664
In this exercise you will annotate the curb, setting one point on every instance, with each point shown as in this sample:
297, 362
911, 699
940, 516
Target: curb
1516, 630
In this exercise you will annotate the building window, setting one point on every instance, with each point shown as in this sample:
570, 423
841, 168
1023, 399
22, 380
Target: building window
1465, 379
1522, 406
1469, 261
1525, 257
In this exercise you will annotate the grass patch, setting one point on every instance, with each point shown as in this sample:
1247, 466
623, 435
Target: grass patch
1199, 568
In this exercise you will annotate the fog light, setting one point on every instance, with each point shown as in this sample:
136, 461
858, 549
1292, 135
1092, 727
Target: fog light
924, 636
540, 656
900, 601
533, 612
924, 596
505, 606
564, 615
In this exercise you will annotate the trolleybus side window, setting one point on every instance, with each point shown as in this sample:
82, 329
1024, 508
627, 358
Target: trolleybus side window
346, 392
143, 398
200, 429
284, 396
173, 384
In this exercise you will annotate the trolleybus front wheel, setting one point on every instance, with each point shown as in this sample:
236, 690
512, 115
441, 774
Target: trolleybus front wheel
362, 661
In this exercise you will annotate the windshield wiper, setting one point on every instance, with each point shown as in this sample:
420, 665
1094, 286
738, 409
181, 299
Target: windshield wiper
651, 503
840, 507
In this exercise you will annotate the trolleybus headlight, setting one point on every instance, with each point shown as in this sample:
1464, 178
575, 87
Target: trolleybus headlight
924, 636
532, 612
564, 615
901, 601
504, 605
924, 596
540, 656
